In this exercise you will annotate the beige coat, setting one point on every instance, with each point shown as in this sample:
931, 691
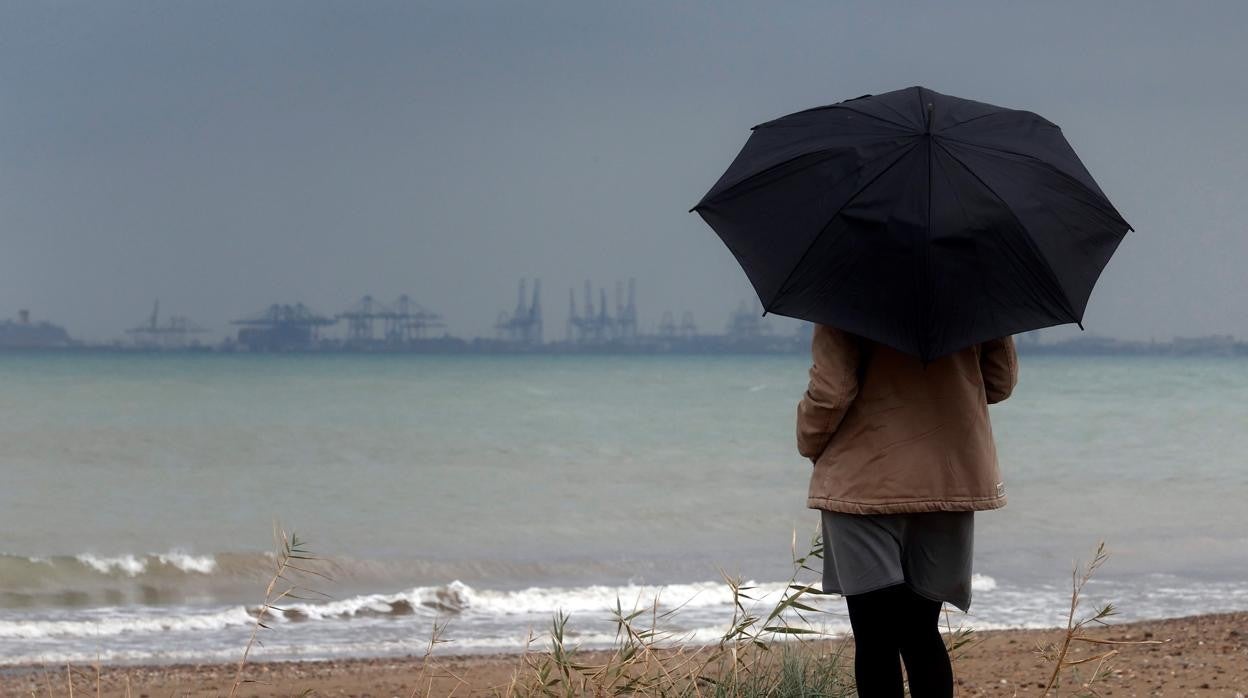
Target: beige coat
889, 435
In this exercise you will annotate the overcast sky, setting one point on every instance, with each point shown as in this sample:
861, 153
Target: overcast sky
226, 155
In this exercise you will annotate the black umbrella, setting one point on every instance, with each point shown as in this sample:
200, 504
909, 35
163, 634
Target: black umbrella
922, 221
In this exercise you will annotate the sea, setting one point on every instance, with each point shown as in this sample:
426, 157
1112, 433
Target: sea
487, 496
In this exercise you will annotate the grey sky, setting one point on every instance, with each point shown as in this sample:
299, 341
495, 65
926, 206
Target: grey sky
225, 155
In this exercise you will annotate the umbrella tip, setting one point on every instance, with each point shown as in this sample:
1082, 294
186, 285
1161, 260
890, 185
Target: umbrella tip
1080, 324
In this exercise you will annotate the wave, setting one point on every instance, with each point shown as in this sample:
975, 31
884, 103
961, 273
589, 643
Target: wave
92, 580
455, 598
133, 566
118, 622
491, 620
17, 567
459, 598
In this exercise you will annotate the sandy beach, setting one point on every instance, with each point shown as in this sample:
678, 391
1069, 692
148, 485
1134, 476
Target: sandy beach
1196, 655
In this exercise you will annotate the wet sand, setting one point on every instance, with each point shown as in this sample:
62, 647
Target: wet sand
1198, 655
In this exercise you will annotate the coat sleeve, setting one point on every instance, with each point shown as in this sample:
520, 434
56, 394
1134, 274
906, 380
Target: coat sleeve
998, 363
833, 387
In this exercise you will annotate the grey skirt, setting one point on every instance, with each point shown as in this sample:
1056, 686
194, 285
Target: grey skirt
929, 552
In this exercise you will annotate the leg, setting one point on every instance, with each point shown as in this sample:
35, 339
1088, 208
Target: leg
922, 647
877, 664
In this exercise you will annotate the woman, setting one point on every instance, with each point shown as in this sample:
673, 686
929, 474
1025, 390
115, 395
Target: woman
903, 457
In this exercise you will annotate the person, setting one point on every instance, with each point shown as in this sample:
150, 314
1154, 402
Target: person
903, 456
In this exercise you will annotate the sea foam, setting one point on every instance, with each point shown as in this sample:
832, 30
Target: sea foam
134, 565
118, 622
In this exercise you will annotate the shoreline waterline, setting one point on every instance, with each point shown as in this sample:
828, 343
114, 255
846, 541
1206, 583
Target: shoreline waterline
1200, 652
483, 620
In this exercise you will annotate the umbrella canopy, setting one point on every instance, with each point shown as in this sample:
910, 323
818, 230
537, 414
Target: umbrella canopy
925, 222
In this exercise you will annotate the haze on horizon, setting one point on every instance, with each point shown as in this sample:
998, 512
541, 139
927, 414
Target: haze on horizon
224, 156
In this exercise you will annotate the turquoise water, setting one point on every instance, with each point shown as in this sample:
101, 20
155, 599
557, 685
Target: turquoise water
140, 492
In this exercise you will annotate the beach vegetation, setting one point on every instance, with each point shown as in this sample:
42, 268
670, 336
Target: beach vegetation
290, 572
763, 653
1087, 675
780, 651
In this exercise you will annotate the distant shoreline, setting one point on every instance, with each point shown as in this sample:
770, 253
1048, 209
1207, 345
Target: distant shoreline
1082, 347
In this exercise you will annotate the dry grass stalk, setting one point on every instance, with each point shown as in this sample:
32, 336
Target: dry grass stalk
648, 659
435, 638
291, 554
1076, 632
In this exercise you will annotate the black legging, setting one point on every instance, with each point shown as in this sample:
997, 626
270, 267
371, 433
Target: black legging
896, 621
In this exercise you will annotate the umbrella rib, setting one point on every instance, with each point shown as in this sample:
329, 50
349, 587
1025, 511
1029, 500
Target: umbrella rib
1097, 195
877, 117
985, 116
925, 327
1047, 165
979, 257
1057, 216
893, 110
730, 191
779, 122
780, 289
1055, 288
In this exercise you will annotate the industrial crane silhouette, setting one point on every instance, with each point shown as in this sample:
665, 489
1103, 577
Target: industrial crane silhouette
402, 321
524, 325
175, 333
593, 326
